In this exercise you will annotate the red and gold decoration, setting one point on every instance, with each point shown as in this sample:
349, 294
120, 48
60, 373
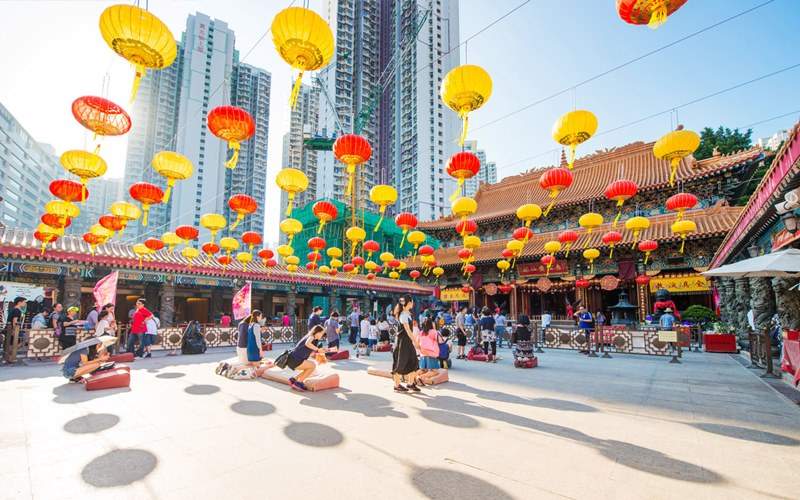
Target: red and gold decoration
210, 249
464, 89
148, 195
464, 207
251, 239
611, 238
675, 146
620, 191
382, 195
83, 164
462, 166
292, 181
352, 150
355, 235
466, 227
371, 247
125, 212
555, 180
290, 227
67, 190
173, 167
242, 205
406, 221
112, 223
648, 247
653, 13
574, 128
568, 239
680, 203
231, 124
187, 233
100, 116
325, 212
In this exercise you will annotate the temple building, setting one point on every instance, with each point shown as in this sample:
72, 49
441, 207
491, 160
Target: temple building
717, 182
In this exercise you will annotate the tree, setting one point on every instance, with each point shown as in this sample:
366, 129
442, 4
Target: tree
724, 139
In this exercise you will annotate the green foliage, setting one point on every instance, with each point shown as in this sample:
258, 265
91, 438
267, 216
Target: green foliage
724, 139
699, 314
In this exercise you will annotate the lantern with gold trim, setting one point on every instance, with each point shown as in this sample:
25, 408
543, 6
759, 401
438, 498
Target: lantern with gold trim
229, 244
574, 128
568, 239
47, 234
555, 180
675, 146
325, 211
187, 233
648, 247
462, 166
244, 258
591, 254
382, 195
637, 225
83, 164
242, 205
620, 191
190, 253
683, 228
92, 240
611, 238
680, 203
292, 181
173, 167
352, 150
67, 190
148, 195
251, 239
64, 210
213, 223
141, 251
406, 221
590, 221
653, 13
210, 249
112, 223
101, 116
126, 212
465, 89
231, 124
171, 240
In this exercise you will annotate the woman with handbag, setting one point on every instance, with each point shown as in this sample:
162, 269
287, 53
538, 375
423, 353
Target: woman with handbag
305, 356
248, 347
405, 364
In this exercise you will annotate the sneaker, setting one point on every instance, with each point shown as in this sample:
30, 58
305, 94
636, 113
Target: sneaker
147, 355
301, 384
294, 384
413, 387
400, 388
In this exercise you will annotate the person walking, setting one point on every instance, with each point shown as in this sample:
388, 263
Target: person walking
405, 364
138, 327
585, 319
70, 326
13, 325
332, 331
354, 320
488, 332
500, 326
429, 340
461, 332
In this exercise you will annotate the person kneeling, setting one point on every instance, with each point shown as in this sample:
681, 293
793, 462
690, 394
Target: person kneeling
305, 356
85, 361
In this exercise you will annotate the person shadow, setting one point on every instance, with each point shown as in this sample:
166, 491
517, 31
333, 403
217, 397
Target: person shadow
72, 393
368, 405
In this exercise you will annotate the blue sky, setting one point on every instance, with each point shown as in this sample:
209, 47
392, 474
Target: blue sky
52, 52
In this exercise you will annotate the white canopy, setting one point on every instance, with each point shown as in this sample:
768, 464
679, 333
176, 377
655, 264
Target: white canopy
783, 264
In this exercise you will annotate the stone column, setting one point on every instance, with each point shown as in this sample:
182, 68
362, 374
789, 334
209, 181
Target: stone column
742, 305
167, 311
787, 303
215, 305
151, 296
72, 288
727, 292
762, 300
291, 299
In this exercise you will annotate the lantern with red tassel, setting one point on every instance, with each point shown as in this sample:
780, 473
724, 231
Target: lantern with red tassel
621, 191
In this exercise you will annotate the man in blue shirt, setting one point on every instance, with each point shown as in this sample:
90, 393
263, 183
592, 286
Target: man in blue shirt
315, 318
500, 327
585, 324
667, 320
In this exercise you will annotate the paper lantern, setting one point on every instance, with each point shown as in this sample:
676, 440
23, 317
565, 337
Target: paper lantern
394, 275
555, 180
224, 260
313, 257
101, 232
466, 227
311, 266
472, 242
358, 261
505, 289
386, 257
611, 238
93, 240
653, 13
574, 128
269, 263
683, 228
83, 164
675, 146
336, 253
438, 272
522, 234
244, 258
405, 221
590, 221
112, 223
251, 239
425, 251
126, 212
637, 225
469, 269
591, 254
187, 233
414, 274
680, 203
292, 268
352, 150
304, 40
335, 263
647, 246
621, 191
464, 89
371, 246
582, 283
325, 269
464, 207
171, 240
292, 181
462, 166
370, 266
68, 190
528, 213
210, 249
507, 253
265, 254
47, 234
348, 268
316, 244
503, 266
101, 116
231, 124
55, 221
64, 210
242, 205
173, 167
325, 211
190, 253
416, 238
552, 247
643, 280
371, 276
154, 244
383, 196
213, 223
548, 261
229, 244
147, 194
140, 37
568, 238
290, 227
141, 251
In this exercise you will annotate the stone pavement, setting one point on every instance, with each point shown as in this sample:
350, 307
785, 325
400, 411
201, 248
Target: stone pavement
627, 427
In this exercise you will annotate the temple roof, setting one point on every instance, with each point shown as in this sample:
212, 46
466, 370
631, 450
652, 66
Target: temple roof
592, 174
714, 221
19, 243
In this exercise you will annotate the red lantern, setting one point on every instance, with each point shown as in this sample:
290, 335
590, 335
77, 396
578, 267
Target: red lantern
507, 253
313, 257
466, 227
466, 289
210, 249
371, 276
45, 238
111, 222
611, 238
154, 244
464, 253
325, 211
348, 268
649, 12
231, 124
414, 274
469, 269
394, 264
147, 194
425, 250
647, 246
505, 289
68, 190
548, 261
242, 205
462, 166
316, 243
57, 221
371, 246
266, 254
405, 221
620, 191
581, 283
251, 239
333, 271
270, 262
187, 233
555, 180
93, 240
352, 150
378, 270
101, 116
680, 203
642, 279
522, 234
358, 261
311, 266
224, 260
568, 238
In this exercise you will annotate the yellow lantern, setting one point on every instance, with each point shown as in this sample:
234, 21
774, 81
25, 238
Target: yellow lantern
674, 146
324, 269
438, 272
141, 251
416, 238
292, 181
464, 207
140, 37
591, 254
370, 265
83, 164
48, 234
171, 240
574, 128
552, 247
290, 227
590, 221
335, 263
394, 275
304, 40
684, 228
244, 258
637, 224
383, 196
472, 242
503, 266
528, 213
385, 258
63, 210
464, 89
126, 212
101, 232
292, 260
515, 246
354, 235
173, 167
190, 253
214, 223
292, 268
229, 244
334, 252
285, 251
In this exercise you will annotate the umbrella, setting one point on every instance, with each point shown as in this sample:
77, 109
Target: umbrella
106, 340
783, 264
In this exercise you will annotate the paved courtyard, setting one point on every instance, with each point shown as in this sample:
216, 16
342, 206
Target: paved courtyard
627, 427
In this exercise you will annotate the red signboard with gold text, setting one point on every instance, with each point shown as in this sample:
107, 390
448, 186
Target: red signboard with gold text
539, 269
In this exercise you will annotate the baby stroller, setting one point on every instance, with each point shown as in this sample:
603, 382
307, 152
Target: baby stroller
523, 355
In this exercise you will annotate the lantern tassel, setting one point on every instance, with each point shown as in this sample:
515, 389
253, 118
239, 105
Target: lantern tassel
673, 171
44, 245
137, 79
680, 216
295, 90
658, 16
611, 253
289, 205
646, 257
571, 162
168, 191
239, 218
683, 243
591, 269
569, 245
464, 127
458, 189
549, 207
321, 225
351, 174
378, 225
145, 211
234, 145
403, 240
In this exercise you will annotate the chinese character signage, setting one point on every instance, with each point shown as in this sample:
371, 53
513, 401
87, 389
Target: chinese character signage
454, 295
681, 284
539, 269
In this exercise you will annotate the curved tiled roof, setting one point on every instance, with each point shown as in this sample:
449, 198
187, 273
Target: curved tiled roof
18, 243
714, 221
592, 174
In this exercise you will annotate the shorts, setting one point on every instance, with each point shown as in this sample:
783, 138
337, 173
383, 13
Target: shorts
293, 363
429, 363
461, 339
69, 373
488, 336
372, 342
363, 340
333, 344
148, 340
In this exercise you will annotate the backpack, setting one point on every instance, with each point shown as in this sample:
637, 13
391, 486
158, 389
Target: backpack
428, 345
193, 340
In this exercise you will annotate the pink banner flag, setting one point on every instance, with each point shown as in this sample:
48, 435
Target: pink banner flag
241, 302
105, 290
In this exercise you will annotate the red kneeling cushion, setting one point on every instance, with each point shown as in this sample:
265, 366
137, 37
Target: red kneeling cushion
338, 355
109, 379
125, 357
529, 363
383, 348
477, 357
266, 346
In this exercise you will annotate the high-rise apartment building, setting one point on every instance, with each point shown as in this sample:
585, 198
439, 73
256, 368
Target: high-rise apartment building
486, 175
26, 169
303, 122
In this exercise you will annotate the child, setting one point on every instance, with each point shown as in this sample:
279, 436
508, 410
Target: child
429, 340
384, 327
373, 334
364, 332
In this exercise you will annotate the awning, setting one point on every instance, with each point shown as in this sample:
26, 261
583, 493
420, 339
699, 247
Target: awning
783, 264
